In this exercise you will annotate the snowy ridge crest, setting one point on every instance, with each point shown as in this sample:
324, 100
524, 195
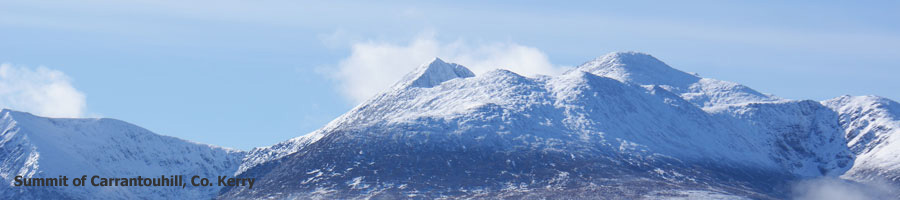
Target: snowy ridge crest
261, 155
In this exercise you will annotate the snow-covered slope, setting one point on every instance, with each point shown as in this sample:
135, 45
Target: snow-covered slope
872, 128
33, 146
624, 124
261, 155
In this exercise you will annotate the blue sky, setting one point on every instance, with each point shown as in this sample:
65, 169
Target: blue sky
244, 74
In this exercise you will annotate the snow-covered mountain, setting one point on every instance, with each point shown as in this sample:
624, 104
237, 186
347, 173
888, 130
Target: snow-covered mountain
624, 125
39, 147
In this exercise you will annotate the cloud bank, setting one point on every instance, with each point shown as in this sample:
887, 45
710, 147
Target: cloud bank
373, 66
41, 91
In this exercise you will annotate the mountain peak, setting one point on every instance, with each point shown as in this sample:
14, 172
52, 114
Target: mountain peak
629, 55
6, 110
434, 73
637, 67
13, 113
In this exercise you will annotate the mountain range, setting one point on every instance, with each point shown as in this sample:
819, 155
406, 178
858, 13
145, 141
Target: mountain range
624, 125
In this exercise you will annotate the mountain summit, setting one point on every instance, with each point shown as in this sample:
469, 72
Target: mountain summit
636, 67
434, 73
643, 69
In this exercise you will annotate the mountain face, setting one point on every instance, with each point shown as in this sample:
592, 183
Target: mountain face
39, 147
624, 125
872, 127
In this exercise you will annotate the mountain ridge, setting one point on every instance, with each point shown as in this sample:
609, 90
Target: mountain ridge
624, 124
602, 112
34, 146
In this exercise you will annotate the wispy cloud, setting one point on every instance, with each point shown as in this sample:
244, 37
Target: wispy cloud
373, 65
837, 189
41, 91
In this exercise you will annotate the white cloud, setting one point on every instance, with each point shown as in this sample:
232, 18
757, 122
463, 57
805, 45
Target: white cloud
41, 91
373, 66
837, 189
